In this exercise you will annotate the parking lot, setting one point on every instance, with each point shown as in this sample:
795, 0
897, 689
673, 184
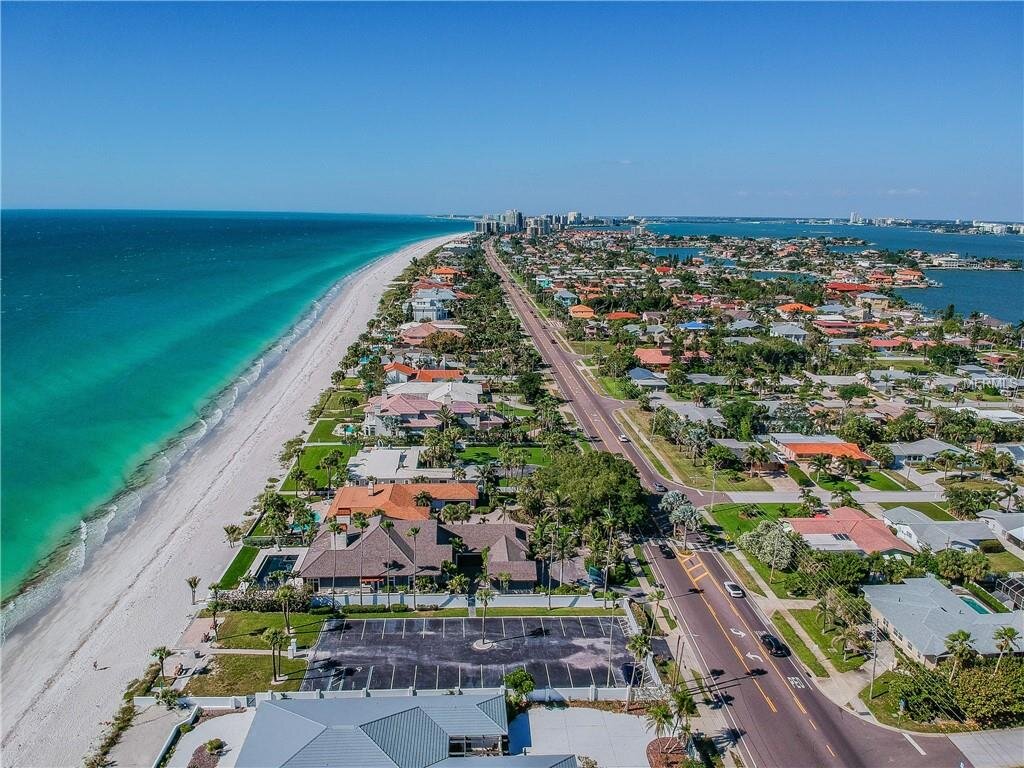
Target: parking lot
560, 651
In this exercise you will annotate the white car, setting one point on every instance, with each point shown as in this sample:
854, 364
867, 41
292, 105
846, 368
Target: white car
734, 589
623, 439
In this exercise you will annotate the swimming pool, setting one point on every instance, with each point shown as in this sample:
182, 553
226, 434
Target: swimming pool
978, 607
274, 563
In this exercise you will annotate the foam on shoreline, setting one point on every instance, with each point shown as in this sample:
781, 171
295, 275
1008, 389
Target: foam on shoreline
124, 594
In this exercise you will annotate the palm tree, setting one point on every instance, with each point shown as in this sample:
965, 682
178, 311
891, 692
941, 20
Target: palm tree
423, 499
458, 584
821, 463
657, 596
660, 719
285, 594
484, 595
299, 477
160, 653
276, 639
850, 638
412, 533
387, 526
1006, 640
214, 605
193, 584
335, 527
504, 579
232, 534
361, 523
960, 646
639, 646
757, 454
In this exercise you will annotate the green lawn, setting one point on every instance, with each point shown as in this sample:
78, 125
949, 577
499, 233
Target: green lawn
553, 612
450, 613
797, 645
243, 629
885, 707
696, 476
904, 483
973, 485
311, 456
1004, 562
241, 674
334, 402
613, 387
936, 511
510, 410
774, 583
728, 516
749, 582
880, 481
481, 454
808, 619
323, 431
644, 566
833, 483
238, 567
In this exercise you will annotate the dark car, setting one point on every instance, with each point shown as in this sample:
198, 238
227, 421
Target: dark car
773, 645
667, 551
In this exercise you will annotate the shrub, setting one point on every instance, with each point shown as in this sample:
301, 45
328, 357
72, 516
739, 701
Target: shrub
991, 546
323, 610
429, 607
185, 728
213, 746
400, 608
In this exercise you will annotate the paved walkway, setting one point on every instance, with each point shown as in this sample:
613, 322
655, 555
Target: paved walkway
232, 729
140, 743
877, 497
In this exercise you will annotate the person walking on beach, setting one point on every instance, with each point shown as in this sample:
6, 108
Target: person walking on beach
94, 665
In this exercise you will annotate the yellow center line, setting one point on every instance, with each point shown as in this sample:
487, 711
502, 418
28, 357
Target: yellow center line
732, 645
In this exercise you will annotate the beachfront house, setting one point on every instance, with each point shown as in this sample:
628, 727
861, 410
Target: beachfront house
467, 731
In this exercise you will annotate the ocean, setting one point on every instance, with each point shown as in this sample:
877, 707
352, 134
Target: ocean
997, 293
126, 336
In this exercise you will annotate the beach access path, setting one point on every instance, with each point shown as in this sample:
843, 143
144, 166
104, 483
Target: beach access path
131, 597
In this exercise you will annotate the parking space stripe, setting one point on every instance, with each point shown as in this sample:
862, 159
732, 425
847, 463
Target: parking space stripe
568, 669
394, 669
562, 625
437, 680
444, 623
383, 629
369, 677
481, 675
548, 673
363, 632
523, 622
463, 629
592, 678
582, 628
404, 622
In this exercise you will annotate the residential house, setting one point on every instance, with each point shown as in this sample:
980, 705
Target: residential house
397, 465
653, 358
1008, 527
921, 613
649, 380
919, 530
789, 332
797, 447
398, 500
918, 451
846, 529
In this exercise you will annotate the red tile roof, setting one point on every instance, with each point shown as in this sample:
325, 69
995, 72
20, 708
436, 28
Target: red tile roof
398, 500
868, 533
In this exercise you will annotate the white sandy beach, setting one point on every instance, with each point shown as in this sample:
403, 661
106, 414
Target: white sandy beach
132, 596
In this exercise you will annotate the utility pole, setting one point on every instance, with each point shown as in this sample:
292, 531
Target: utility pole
874, 657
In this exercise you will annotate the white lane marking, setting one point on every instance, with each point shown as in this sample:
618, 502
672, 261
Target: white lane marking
914, 744
737, 632
796, 682
754, 656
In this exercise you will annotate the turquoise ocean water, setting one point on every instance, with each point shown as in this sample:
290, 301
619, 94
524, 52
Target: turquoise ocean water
1000, 294
126, 336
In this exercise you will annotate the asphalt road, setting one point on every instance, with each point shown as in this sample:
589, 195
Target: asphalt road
777, 716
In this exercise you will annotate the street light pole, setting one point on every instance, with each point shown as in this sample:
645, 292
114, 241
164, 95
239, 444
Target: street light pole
874, 657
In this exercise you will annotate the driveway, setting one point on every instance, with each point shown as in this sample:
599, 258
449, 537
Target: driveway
614, 739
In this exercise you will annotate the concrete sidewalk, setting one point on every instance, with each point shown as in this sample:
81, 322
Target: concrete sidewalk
992, 749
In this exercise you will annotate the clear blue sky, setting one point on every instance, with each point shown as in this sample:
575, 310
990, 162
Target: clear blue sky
702, 109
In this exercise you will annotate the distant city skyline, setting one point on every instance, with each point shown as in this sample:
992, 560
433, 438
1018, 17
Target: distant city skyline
739, 110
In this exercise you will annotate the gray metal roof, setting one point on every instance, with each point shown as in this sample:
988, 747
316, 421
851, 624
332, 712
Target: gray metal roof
392, 732
925, 613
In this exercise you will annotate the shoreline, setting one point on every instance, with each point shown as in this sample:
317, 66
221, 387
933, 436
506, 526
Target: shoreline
130, 595
111, 515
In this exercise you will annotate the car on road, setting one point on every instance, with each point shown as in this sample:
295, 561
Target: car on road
659, 488
623, 439
734, 589
667, 551
773, 645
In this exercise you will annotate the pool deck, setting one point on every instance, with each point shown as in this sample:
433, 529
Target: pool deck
265, 554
